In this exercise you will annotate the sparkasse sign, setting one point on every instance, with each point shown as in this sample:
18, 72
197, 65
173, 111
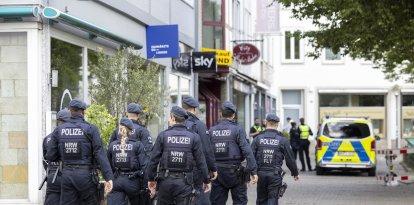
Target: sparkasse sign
246, 53
224, 57
162, 41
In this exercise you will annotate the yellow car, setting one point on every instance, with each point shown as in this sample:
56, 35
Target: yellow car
346, 143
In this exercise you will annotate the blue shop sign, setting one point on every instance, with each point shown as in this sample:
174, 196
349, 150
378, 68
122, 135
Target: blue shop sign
162, 41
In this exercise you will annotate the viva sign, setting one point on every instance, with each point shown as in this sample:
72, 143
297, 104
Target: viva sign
197, 61
246, 53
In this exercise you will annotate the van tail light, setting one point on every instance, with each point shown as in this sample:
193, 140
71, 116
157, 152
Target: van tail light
373, 145
319, 144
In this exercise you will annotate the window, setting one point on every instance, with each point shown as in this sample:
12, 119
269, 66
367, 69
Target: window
333, 100
293, 47
408, 100
292, 104
212, 10
346, 130
213, 37
371, 100
213, 24
173, 86
330, 57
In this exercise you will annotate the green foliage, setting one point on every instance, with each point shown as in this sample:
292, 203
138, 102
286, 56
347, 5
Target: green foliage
377, 30
124, 78
106, 123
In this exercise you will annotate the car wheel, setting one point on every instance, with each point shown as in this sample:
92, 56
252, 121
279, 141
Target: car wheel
319, 170
372, 172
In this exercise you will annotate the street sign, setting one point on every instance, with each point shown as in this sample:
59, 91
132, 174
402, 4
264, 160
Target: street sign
224, 57
162, 41
246, 53
204, 62
182, 63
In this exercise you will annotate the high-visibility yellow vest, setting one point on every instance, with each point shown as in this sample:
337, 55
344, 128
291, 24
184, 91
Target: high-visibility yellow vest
258, 128
304, 132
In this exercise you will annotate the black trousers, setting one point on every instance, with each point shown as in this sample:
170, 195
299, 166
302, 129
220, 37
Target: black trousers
173, 190
125, 187
203, 198
268, 188
228, 181
53, 189
304, 149
78, 187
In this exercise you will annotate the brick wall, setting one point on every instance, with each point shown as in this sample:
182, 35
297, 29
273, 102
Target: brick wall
13, 116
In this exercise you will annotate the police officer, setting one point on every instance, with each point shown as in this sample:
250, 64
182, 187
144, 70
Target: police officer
194, 124
139, 133
127, 159
52, 168
176, 150
304, 131
77, 144
270, 148
231, 148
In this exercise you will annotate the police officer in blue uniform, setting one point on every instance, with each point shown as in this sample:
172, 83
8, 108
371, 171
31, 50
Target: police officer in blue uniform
127, 158
52, 168
139, 133
77, 145
194, 124
270, 148
176, 151
231, 148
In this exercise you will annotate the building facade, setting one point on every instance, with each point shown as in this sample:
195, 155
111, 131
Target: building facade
336, 85
226, 24
46, 47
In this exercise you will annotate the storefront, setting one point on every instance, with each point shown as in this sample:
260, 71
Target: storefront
45, 57
407, 114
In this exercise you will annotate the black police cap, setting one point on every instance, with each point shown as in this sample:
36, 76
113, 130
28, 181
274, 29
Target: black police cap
179, 112
127, 123
77, 104
134, 108
190, 101
63, 115
272, 117
228, 106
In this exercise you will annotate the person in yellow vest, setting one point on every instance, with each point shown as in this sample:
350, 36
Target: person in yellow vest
256, 128
304, 131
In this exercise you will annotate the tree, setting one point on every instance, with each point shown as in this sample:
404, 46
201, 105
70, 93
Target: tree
380, 31
124, 78
99, 116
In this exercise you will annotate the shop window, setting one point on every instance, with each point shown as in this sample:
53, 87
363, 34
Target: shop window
371, 100
408, 128
378, 126
173, 87
333, 100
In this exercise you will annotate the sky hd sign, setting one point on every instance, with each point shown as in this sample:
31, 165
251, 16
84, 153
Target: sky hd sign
162, 41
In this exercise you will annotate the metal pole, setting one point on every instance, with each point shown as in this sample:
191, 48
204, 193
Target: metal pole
194, 76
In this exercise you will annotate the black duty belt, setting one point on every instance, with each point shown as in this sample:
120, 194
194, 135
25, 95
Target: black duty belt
228, 166
77, 166
275, 170
172, 174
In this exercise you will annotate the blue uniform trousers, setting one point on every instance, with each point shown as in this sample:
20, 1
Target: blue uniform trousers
268, 188
228, 180
125, 187
78, 187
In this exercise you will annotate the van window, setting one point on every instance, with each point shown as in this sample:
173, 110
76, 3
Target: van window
346, 130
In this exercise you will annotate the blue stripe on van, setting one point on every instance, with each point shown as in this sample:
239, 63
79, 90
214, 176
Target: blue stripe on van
359, 149
330, 153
